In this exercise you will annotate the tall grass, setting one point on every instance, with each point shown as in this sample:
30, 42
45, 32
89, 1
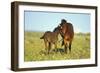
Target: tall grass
34, 49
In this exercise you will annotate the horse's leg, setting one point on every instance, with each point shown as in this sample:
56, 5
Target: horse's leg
70, 46
55, 44
49, 47
65, 45
65, 48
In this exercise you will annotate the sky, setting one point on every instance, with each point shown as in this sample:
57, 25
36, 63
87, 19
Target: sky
47, 21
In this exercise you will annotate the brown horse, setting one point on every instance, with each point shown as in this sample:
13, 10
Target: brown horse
67, 33
50, 38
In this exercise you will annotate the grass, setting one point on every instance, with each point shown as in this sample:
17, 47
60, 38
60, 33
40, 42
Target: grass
35, 48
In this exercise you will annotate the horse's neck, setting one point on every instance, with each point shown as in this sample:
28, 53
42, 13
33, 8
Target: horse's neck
65, 28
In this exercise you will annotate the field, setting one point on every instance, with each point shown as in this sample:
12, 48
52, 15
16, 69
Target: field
35, 48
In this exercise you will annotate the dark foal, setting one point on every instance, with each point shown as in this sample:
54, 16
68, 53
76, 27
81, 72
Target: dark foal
50, 38
67, 33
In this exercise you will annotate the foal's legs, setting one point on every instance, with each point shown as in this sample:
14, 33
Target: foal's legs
49, 47
55, 45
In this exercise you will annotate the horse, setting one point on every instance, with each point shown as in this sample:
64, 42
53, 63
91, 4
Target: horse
67, 33
50, 38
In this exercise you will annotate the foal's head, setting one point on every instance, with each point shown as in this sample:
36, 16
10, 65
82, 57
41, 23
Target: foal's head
57, 30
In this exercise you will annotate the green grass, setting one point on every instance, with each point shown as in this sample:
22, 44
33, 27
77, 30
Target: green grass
35, 48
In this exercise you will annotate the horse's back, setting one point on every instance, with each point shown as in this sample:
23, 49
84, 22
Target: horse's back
49, 36
70, 30
47, 33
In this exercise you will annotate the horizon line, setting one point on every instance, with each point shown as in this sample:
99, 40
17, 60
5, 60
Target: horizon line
45, 31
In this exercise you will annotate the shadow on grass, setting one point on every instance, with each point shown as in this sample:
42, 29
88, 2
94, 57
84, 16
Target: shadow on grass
53, 51
58, 50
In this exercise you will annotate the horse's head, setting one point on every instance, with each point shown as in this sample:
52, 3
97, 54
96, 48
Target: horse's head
62, 24
63, 27
63, 21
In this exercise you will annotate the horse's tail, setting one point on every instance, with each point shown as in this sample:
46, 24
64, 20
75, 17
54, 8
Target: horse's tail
42, 37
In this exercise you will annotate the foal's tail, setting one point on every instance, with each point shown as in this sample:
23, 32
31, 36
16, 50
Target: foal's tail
42, 37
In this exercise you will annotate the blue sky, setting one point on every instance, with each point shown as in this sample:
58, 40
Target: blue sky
47, 21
